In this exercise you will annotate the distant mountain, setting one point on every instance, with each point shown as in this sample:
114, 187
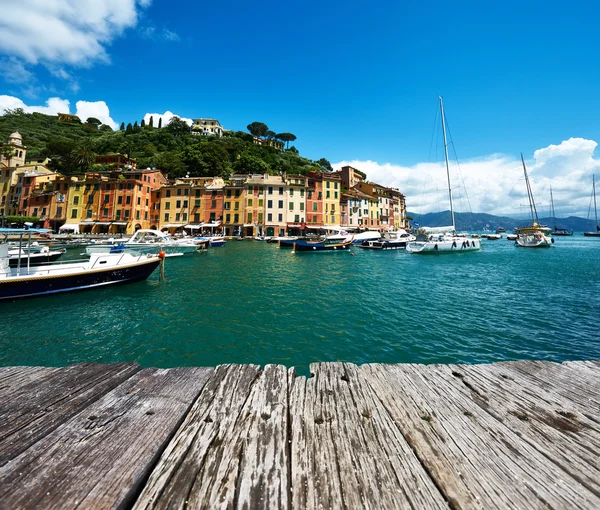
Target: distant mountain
480, 221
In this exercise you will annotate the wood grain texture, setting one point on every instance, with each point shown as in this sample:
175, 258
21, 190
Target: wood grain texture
545, 419
200, 466
474, 457
35, 402
346, 450
101, 456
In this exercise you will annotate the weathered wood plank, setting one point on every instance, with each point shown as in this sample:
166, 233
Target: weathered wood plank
13, 378
543, 418
101, 456
39, 401
475, 459
346, 450
201, 462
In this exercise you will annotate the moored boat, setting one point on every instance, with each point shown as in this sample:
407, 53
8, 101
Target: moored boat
536, 235
301, 245
595, 233
100, 270
433, 240
396, 240
146, 241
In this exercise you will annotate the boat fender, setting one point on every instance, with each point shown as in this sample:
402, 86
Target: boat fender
468, 244
463, 245
435, 247
552, 240
454, 244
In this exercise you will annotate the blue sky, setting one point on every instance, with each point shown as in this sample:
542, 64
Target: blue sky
355, 81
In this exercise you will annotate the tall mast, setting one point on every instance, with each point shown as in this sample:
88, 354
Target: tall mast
595, 209
447, 166
534, 216
552, 207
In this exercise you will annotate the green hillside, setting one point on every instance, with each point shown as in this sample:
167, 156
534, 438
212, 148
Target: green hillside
73, 147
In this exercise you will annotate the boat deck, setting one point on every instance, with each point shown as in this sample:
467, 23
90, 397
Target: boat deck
504, 435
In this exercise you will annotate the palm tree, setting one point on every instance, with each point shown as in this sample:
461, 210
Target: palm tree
85, 154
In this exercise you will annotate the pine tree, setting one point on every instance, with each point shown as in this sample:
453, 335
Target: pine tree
129, 128
143, 123
151, 123
160, 123
122, 128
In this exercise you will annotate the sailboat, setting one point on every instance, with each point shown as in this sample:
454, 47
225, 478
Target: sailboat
535, 236
443, 239
557, 231
597, 232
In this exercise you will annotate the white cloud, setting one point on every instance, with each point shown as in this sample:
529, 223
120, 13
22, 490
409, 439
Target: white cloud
495, 184
166, 118
55, 105
58, 33
97, 109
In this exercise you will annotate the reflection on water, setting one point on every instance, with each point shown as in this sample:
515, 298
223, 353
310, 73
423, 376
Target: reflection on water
250, 302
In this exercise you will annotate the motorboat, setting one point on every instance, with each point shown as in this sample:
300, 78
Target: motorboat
146, 241
33, 255
395, 240
492, 237
302, 245
536, 235
434, 240
100, 270
342, 235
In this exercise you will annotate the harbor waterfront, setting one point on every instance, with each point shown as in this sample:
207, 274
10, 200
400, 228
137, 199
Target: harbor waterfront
251, 302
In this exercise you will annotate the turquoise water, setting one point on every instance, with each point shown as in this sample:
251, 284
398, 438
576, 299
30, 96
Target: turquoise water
251, 302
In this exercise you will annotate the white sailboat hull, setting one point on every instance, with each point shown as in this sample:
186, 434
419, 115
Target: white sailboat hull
534, 241
451, 245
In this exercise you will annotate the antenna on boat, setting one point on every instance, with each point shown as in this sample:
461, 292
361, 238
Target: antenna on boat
447, 166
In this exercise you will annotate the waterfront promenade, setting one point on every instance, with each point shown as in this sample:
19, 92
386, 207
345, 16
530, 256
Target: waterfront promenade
504, 435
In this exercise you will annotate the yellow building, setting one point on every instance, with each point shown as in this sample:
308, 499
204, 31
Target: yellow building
331, 199
254, 210
233, 205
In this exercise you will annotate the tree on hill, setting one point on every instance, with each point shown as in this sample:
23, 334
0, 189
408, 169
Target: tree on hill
178, 127
271, 134
249, 164
293, 150
151, 122
62, 152
325, 164
8, 153
258, 129
129, 128
93, 121
160, 123
85, 154
143, 123
286, 137
122, 128
206, 159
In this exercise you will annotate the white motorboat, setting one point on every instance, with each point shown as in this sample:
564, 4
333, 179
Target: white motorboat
394, 240
100, 270
443, 239
146, 241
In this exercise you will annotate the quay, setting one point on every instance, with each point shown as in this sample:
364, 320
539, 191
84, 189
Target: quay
504, 435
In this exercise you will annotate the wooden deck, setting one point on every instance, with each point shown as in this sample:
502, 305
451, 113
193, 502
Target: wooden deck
506, 435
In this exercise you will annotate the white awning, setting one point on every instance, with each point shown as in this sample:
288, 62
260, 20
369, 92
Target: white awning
70, 226
119, 223
174, 225
87, 222
215, 224
194, 225
103, 222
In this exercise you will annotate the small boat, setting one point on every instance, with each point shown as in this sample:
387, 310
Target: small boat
277, 239
557, 231
535, 236
597, 232
511, 237
492, 237
434, 240
301, 245
100, 270
34, 256
500, 230
390, 241
358, 237
146, 241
